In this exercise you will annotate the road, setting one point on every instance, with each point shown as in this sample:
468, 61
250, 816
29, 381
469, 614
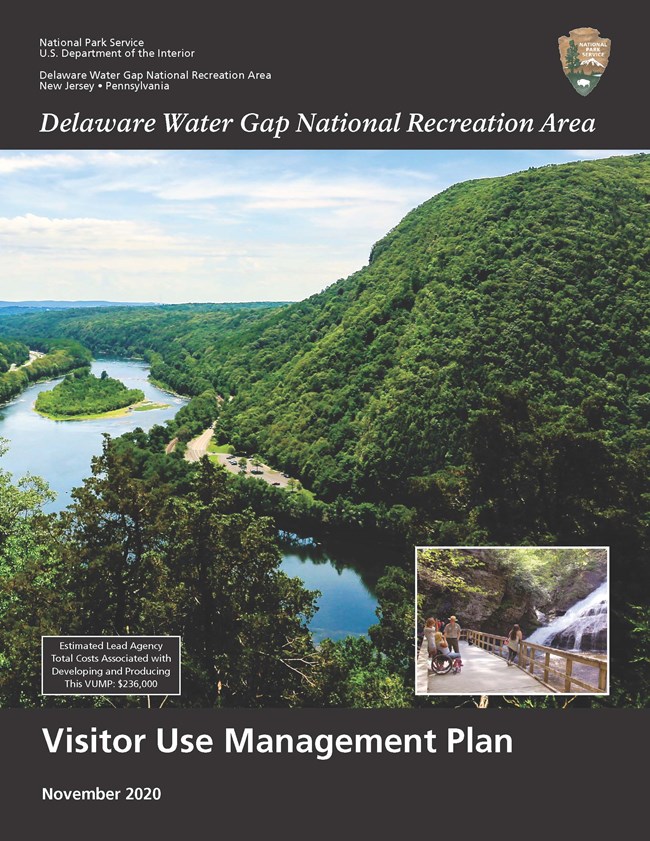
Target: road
198, 447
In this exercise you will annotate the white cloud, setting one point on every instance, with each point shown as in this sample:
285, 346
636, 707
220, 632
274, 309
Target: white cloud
22, 162
60, 235
17, 162
46, 257
274, 193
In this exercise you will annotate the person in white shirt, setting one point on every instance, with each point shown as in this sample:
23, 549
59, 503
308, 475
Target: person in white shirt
429, 634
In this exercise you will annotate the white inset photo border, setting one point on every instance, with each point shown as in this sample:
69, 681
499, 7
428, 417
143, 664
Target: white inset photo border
497, 654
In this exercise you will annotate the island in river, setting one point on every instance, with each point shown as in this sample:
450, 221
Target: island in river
345, 575
83, 396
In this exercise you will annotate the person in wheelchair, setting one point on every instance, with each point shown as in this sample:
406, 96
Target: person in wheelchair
444, 660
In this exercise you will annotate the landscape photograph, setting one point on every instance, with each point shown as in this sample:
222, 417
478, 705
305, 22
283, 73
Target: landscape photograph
239, 388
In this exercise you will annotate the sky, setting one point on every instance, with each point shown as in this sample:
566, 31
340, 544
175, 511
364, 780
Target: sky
240, 225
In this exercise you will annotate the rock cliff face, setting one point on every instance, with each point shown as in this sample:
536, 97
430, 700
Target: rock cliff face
577, 587
501, 602
494, 595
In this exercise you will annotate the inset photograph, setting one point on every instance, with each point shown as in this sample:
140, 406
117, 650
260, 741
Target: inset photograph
512, 620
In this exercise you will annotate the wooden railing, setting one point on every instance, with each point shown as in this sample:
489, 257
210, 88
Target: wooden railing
536, 660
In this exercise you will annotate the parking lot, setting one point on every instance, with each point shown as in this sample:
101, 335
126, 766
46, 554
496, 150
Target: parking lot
263, 471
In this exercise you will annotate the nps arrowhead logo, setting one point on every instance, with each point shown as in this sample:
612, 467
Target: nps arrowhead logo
584, 55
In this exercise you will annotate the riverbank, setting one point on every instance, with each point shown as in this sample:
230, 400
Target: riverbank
33, 356
64, 356
164, 387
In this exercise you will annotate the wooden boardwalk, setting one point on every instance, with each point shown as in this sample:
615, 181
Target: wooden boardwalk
482, 674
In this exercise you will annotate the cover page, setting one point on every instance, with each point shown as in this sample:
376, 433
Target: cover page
324, 417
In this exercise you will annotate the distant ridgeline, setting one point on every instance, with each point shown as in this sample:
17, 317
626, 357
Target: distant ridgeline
8, 308
177, 339
17, 372
484, 377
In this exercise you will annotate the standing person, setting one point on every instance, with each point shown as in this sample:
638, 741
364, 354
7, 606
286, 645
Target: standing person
452, 633
514, 638
429, 634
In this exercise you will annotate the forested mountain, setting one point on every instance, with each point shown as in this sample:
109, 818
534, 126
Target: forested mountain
179, 339
493, 347
504, 298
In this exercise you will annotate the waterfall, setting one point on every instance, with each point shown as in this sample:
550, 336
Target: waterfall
582, 628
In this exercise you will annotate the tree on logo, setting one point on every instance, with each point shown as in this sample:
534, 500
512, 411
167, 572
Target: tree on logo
572, 57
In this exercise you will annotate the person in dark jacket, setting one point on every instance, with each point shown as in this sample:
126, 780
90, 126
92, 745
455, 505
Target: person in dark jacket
515, 636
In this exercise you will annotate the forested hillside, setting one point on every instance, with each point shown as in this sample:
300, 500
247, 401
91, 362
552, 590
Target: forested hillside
12, 354
181, 340
57, 357
492, 354
518, 301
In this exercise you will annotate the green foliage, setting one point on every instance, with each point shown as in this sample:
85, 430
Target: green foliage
351, 673
27, 550
60, 356
196, 416
634, 689
81, 393
550, 570
153, 546
12, 353
572, 57
393, 636
447, 569
180, 341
